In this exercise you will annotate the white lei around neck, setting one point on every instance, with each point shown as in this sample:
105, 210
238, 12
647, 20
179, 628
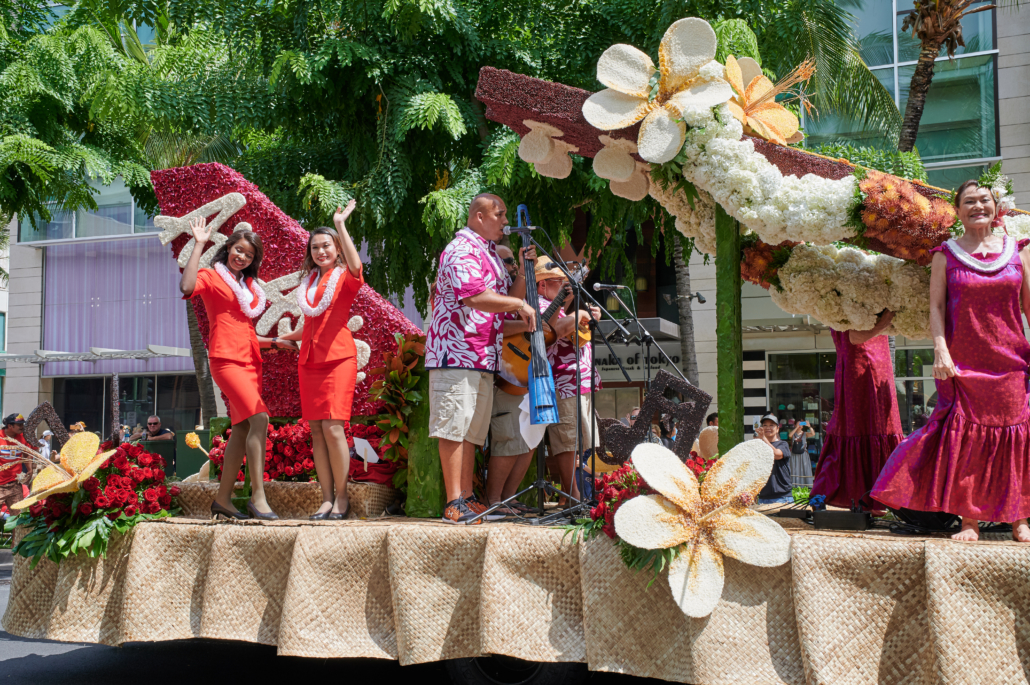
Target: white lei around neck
1007, 250
242, 293
327, 295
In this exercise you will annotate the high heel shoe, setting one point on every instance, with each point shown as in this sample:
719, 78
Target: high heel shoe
320, 517
340, 517
270, 516
218, 510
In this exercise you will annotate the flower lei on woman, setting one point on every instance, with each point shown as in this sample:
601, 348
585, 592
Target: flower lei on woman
251, 306
327, 295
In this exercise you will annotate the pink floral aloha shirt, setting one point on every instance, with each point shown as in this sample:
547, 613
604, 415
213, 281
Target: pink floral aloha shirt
460, 337
562, 357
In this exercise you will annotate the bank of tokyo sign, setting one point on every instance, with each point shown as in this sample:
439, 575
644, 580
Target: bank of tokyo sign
634, 360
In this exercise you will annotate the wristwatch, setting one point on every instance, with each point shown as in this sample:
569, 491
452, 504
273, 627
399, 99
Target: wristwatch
275, 343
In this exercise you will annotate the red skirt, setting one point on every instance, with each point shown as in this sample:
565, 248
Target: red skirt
241, 384
327, 390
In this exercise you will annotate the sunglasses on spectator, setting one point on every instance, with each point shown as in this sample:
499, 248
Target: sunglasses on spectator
153, 423
510, 261
634, 417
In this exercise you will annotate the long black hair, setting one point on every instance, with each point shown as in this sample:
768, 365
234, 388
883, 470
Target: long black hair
222, 255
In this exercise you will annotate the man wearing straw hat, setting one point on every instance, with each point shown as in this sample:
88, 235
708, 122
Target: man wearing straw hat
11, 477
562, 356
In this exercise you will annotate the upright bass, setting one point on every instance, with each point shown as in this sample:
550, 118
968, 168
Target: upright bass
543, 400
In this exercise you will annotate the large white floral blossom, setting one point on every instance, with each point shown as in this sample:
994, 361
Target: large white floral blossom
688, 81
847, 289
697, 222
1017, 225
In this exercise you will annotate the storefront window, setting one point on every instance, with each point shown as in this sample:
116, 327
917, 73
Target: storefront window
116, 214
977, 33
874, 29
811, 402
59, 227
136, 400
81, 399
804, 366
615, 403
916, 400
831, 128
953, 177
178, 402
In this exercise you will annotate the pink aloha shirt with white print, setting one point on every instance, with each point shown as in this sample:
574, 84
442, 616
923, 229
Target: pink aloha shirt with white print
461, 337
562, 357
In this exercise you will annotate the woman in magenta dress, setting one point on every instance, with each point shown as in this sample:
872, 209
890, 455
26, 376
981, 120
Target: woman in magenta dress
972, 458
865, 427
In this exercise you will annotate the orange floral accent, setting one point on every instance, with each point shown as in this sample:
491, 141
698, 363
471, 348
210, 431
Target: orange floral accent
755, 104
899, 220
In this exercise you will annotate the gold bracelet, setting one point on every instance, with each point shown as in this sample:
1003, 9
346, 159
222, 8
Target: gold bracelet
522, 303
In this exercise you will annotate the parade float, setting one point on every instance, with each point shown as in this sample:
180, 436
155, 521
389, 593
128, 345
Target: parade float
741, 597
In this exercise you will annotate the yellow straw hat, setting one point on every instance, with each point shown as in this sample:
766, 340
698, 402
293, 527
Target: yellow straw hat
542, 272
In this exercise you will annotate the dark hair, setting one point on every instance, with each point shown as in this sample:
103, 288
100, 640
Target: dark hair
222, 255
711, 417
964, 187
309, 263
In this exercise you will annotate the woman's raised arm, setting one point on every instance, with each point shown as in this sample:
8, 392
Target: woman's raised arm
201, 234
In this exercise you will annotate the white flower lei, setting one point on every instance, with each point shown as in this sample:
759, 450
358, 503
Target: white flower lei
252, 312
327, 296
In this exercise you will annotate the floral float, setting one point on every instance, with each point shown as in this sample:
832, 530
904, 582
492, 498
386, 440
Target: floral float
79, 459
706, 151
116, 489
687, 517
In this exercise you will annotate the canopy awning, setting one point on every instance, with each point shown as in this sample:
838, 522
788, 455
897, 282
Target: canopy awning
96, 354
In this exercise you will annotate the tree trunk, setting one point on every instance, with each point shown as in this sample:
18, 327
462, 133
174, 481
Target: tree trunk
920, 86
729, 339
208, 405
688, 353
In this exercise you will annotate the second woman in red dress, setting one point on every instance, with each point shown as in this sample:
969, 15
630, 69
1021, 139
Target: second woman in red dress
327, 368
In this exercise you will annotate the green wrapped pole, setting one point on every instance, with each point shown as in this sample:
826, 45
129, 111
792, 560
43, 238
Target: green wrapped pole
426, 494
729, 341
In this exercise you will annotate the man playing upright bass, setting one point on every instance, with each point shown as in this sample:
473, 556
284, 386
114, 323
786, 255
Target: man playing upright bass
463, 346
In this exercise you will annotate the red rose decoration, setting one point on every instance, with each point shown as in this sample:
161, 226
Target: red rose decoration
144, 460
150, 495
36, 509
102, 502
131, 510
85, 509
175, 490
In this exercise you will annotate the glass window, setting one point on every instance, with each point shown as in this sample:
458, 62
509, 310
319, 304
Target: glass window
3, 331
916, 400
810, 402
113, 216
913, 363
977, 32
60, 227
952, 178
143, 223
805, 366
80, 399
830, 128
615, 403
178, 401
136, 399
874, 29
958, 121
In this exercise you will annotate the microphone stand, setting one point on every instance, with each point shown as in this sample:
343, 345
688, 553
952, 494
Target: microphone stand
648, 339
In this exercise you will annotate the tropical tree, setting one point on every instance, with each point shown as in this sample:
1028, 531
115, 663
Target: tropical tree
936, 24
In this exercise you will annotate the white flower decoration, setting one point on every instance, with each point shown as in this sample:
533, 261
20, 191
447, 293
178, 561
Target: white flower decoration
709, 522
684, 84
361, 347
635, 188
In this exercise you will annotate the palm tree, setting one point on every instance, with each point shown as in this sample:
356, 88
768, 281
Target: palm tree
936, 24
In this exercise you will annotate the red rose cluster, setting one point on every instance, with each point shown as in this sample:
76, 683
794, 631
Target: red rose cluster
131, 482
180, 191
612, 490
699, 465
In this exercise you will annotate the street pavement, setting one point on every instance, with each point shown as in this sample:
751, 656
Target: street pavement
42, 662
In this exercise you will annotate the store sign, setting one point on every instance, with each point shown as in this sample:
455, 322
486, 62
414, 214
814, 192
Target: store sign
635, 361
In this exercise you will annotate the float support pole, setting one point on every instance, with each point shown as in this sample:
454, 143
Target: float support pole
729, 340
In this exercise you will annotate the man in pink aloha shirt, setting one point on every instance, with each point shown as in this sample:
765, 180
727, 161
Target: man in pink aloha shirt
463, 346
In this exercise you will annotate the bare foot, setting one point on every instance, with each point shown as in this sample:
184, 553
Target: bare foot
970, 531
1021, 531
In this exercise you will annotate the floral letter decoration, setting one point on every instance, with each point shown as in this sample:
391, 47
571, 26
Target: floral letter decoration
704, 522
685, 81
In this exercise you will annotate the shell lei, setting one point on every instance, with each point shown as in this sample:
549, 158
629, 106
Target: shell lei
234, 285
327, 295
1008, 249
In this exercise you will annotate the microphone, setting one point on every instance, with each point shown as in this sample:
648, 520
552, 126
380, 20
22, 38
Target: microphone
605, 286
508, 230
551, 265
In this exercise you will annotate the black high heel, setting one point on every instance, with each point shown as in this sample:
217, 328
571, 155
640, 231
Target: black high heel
270, 516
218, 510
320, 517
340, 517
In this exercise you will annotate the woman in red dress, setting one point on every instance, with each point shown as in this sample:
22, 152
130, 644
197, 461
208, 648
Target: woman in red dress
327, 368
232, 300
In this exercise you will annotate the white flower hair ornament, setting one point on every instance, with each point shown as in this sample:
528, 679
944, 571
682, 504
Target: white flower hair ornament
709, 521
684, 81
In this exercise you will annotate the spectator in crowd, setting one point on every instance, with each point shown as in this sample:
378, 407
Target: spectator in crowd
631, 417
778, 489
713, 419
800, 462
16, 471
154, 431
45, 444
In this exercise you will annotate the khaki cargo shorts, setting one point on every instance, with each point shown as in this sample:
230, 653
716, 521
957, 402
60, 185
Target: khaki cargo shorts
460, 401
505, 433
562, 436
